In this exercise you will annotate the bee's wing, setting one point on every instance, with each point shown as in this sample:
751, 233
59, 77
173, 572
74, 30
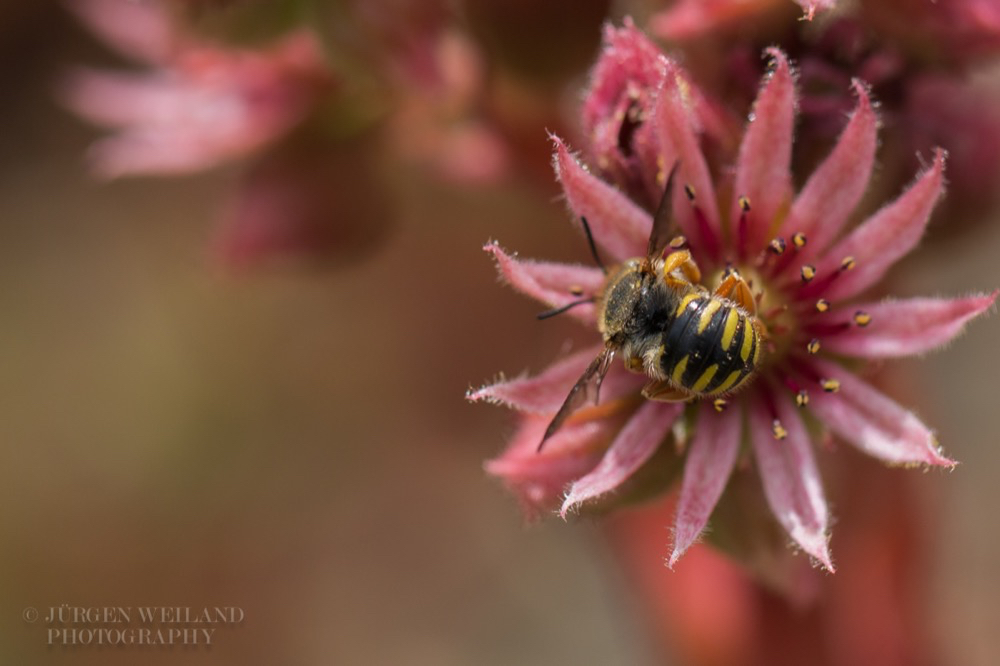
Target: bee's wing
660, 233
578, 394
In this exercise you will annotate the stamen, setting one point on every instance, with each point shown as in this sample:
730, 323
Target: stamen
822, 305
799, 240
743, 227
813, 346
707, 236
808, 272
678, 242
802, 398
576, 290
862, 318
820, 285
777, 246
779, 430
720, 404
830, 385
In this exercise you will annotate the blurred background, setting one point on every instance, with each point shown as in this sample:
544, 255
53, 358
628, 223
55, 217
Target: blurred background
192, 418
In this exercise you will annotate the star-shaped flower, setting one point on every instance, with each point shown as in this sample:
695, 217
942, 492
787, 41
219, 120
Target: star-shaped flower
808, 273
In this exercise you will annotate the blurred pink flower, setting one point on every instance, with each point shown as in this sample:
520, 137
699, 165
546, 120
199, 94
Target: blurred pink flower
685, 19
901, 48
957, 31
200, 105
806, 277
437, 122
307, 202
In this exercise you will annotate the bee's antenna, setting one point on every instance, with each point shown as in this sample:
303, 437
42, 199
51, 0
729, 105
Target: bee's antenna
663, 217
593, 246
559, 311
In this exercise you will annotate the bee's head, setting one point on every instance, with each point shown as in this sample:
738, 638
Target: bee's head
621, 299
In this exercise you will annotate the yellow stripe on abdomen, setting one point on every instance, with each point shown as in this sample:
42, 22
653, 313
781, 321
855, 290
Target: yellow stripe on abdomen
706, 378
729, 382
686, 301
707, 314
679, 371
748, 337
729, 329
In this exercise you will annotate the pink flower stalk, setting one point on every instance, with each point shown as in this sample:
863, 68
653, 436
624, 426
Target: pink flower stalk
808, 276
200, 105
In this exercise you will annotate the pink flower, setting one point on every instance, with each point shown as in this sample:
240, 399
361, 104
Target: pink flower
808, 276
303, 203
200, 105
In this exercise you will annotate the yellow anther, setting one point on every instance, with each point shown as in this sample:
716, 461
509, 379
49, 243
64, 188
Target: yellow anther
847, 264
822, 305
812, 346
802, 398
799, 240
778, 430
808, 273
862, 318
719, 404
830, 385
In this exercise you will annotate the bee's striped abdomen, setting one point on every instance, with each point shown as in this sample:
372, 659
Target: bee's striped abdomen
711, 346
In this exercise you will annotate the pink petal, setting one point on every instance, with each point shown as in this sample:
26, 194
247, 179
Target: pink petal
904, 328
634, 445
539, 478
678, 141
624, 81
709, 463
140, 30
812, 6
153, 153
885, 237
762, 169
628, 59
690, 19
791, 481
618, 224
116, 99
549, 282
545, 393
836, 186
867, 418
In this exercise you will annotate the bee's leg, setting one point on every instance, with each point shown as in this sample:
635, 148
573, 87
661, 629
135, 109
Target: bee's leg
680, 260
634, 364
736, 289
663, 391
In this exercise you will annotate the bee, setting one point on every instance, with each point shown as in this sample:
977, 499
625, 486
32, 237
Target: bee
691, 343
